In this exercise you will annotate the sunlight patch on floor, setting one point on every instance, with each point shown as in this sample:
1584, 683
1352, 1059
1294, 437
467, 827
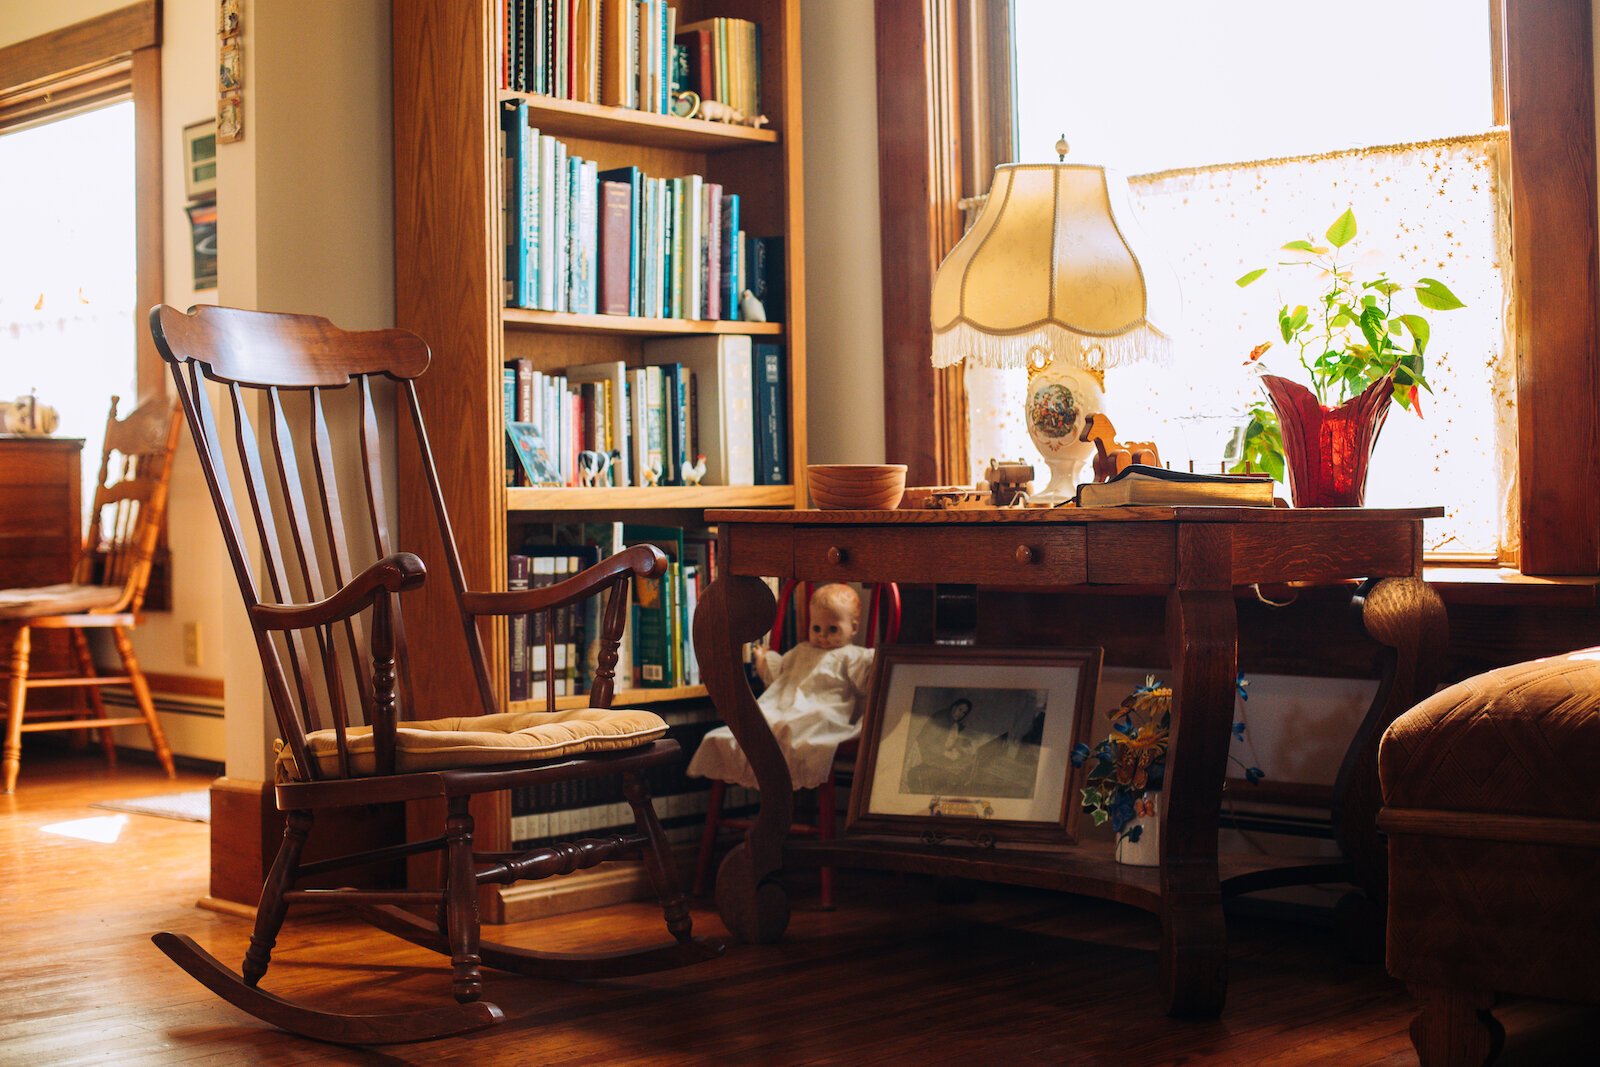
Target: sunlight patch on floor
102, 829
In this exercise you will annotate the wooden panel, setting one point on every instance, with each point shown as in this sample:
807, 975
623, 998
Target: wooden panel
763, 553
83, 44
1041, 556
1550, 86
1330, 552
148, 207
1132, 554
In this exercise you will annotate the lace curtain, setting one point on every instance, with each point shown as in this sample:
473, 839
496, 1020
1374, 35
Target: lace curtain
1429, 209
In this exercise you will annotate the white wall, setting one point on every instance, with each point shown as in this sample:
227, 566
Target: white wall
844, 288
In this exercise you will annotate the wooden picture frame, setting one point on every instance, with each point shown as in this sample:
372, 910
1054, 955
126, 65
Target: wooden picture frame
933, 769
200, 160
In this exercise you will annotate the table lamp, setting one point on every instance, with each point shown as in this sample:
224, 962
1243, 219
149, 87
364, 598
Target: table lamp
1047, 278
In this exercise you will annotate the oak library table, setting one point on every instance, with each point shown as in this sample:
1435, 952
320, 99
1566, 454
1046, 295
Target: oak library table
1195, 557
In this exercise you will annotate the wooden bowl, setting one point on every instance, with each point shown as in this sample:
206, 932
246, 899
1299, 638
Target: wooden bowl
857, 486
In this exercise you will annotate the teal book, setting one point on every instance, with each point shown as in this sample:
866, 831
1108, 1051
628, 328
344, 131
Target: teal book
654, 610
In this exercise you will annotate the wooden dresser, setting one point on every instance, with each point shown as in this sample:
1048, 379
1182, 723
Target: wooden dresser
41, 528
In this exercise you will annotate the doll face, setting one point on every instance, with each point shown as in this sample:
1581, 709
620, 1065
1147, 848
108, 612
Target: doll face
831, 628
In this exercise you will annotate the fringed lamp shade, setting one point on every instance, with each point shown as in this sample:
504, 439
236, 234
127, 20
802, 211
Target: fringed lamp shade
1048, 271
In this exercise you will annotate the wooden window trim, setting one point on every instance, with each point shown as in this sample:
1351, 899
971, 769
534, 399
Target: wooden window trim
88, 64
945, 94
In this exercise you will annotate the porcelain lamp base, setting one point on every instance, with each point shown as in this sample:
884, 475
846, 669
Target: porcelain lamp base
1061, 397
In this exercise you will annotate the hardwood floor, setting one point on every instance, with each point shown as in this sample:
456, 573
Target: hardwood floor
892, 977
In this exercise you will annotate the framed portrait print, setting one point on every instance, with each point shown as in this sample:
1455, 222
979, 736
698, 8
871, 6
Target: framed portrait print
974, 745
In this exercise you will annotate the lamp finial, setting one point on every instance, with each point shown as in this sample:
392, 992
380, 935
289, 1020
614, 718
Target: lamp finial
1062, 148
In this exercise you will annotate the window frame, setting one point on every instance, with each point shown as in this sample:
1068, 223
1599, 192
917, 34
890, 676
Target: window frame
103, 60
946, 81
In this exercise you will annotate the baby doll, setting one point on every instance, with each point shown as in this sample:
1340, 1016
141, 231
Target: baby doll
812, 700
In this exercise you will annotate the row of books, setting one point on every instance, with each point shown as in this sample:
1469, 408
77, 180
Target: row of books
627, 53
708, 409
620, 242
561, 648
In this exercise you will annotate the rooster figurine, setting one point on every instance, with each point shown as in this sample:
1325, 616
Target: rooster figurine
694, 472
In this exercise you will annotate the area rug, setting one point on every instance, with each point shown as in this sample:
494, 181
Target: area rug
193, 806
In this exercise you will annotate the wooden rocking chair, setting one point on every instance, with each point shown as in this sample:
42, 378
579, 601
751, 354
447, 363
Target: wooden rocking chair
351, 738
106, 591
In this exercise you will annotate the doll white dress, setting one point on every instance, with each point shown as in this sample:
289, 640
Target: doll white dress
811, 706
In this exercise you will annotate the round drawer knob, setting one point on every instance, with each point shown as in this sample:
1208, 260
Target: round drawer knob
1024, 555
836, 555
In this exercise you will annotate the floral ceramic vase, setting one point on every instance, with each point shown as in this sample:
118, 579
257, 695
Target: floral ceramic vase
1061, 397
1327, 450
1140, 843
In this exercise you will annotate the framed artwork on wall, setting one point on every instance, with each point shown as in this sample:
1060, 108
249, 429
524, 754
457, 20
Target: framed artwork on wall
200, 160
974, 746
203, 235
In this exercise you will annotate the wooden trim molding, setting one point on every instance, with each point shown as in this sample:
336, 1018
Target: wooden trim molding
919, 186
184, 685
150, 205
81, 46
1549, 78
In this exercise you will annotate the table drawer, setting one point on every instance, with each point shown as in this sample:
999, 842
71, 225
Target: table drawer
971, 555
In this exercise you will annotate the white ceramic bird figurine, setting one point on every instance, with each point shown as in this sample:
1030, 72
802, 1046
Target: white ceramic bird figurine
694, 472
750, 309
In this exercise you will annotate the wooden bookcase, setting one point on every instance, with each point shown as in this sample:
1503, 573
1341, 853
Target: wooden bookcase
448, 289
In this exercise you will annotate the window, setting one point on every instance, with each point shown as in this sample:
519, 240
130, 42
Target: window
68, 285
1246, 123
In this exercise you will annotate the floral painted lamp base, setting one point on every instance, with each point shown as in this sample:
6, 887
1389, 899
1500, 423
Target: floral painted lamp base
1061, 397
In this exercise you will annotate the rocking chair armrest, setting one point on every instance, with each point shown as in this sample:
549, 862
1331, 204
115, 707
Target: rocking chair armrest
643, 561
392, 574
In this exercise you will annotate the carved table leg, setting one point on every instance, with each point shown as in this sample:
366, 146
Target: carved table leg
1408, 618
1202, 635
1455, 1027
750, 898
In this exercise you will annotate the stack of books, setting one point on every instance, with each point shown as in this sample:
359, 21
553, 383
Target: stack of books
614, 52
723, 62
710, 409
619, 242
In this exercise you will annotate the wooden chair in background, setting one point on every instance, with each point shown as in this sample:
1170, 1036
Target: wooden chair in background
106, 592
352, 736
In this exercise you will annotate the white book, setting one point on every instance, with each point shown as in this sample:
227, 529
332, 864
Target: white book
693, 236
563, 230
639, 443
722, 369
547, 222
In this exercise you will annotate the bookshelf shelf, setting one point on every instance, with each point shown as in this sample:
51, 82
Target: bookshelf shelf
636, 498
624, 698
596, 122
630, 325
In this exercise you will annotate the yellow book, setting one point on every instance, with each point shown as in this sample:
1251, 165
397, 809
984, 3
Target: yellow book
1159, 487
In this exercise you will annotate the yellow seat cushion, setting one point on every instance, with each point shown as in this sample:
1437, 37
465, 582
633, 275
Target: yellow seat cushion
64, 599
483, 740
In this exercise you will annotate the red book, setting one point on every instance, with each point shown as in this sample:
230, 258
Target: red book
616, 251
701, 65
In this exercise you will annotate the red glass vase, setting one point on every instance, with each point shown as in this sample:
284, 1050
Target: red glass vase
1327, 450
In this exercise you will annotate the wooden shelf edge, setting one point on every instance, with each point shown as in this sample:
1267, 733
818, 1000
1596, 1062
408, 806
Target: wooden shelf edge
599, 122
646, 498
624, 698
633, 325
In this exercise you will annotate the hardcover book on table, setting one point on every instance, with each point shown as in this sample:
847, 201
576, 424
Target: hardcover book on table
1157, 486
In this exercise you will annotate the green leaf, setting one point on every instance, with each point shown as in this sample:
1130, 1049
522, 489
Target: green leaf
1343, 230
1436, 296
1246, 279
1419, 329
1300, 246
1298, 318
1372, 327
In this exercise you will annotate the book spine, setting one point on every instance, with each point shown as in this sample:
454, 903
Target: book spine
669, 257
563, 224
737, 397
693, 305
547, 223
650, 633
517, 580
772, 413
683, 439
713, 245
656, 422
616, 221
729, 265
511, 166
508, 399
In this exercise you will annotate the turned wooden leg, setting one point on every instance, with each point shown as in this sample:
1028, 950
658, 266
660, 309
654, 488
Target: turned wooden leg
658, 861
1455, 1027
827, 819
273, 907
141, 695
1407, 617
16, 702
750, 897
1202, 638
80, 647
461, 903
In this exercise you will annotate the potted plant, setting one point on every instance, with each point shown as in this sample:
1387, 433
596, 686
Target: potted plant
1361, 349
1130, 765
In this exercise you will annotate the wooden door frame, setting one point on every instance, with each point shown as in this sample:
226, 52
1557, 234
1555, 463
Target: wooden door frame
87, 64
